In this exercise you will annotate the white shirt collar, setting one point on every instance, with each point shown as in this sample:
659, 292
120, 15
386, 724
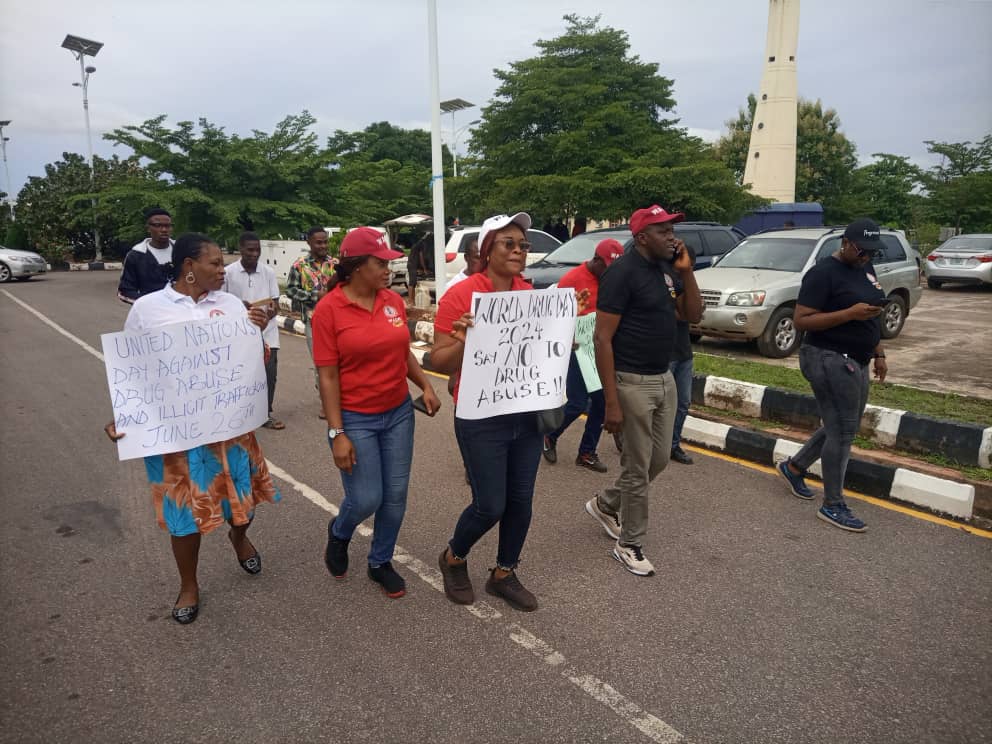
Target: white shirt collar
175, 296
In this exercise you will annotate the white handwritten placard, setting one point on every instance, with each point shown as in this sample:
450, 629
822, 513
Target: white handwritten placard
186, 384
516, 354
586, 354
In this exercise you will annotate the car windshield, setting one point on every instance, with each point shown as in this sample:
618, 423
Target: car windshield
964, 244
582, 247
775, 254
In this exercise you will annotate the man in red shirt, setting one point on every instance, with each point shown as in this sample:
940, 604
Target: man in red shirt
585, 280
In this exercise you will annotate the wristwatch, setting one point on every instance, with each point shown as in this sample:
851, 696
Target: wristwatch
331, 433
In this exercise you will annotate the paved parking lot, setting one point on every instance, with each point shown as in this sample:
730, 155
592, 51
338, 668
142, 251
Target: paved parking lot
946, 344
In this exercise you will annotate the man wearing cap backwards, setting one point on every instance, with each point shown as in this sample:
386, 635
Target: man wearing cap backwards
361, 346
839, 305
639, 298
148, 265
584, 278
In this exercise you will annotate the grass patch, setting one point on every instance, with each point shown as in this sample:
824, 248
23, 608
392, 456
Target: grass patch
924, 402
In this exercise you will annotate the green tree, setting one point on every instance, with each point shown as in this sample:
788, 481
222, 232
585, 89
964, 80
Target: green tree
959, 187
567, 128
887, 190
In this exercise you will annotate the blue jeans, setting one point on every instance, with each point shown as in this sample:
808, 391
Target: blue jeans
502, 455
379, 479
578, 400
840, 385
682, 372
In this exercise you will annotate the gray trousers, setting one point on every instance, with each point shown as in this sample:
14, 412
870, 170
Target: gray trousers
308, 330
840, 385
649, 403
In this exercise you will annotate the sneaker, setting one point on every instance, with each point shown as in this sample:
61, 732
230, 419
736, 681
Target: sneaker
510, 589
336, 553
618, 441
590, 460
610, 522
633, 559
840, 515
457, 584
681, 456
391, 582
797, 483
550, 450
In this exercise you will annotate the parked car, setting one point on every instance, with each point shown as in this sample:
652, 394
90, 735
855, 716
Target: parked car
751, 293
708, 240
20, 265
461, 238
963, 259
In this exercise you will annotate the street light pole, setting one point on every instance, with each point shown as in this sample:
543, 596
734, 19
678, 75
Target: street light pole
454, 143
3, 146
81, 48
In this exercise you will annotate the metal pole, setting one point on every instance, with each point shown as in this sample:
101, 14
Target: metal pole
10, 196
437, 167
89, 144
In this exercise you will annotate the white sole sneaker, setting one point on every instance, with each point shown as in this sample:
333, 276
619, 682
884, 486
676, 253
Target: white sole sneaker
637, 565
609, 522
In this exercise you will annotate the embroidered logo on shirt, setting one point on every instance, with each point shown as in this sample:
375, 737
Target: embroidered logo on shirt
671, 285
390, 312
871, 277
215, 312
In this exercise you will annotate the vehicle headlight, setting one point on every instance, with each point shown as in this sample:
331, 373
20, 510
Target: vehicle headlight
17, 259
747, 299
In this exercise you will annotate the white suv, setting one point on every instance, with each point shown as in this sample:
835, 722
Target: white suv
751, 292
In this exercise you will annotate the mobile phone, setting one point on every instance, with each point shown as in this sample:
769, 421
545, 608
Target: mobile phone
419, 404
879, 303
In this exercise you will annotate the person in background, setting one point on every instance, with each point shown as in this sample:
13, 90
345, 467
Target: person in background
362, 352
472, 264
584, 279
840, 302
307, 283
256, 285
197, 490
579, 227
502, 452
148, 265
681, 368
560, 231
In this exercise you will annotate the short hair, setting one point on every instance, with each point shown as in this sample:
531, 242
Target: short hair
189, 245
248, 236
314, 230
155, 212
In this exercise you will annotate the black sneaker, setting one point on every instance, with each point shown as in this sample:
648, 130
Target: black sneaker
510, 589
681, 456
590, 460
550, 450
391, 582
336, 553
457, 584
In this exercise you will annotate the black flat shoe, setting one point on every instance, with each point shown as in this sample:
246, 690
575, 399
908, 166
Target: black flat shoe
253, 565
185, 615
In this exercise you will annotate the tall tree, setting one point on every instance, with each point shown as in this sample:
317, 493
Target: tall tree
886, 189
960, 185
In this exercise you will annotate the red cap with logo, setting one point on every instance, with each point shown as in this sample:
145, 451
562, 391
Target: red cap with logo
609, 250
652, 216
367, 241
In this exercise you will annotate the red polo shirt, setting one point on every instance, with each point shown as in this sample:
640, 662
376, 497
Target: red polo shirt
370, 350
578, 279
457, 301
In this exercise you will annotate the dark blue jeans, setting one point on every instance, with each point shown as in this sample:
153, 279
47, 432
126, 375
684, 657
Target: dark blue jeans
502, 455
380, 477
579, 399
682, 372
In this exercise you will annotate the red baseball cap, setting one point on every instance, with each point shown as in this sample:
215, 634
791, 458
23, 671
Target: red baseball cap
609, 250
652, 216
367, 241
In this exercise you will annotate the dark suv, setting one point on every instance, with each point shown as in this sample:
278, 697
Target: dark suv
708, 240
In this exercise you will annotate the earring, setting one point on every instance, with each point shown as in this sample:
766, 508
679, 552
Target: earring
190, 279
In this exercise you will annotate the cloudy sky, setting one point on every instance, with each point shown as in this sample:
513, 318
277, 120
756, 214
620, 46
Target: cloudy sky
897, 71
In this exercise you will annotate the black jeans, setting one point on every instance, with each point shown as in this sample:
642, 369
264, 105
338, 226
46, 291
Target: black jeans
270, 374
502, 455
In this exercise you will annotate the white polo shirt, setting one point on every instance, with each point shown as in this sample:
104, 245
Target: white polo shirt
258, 285
169, 306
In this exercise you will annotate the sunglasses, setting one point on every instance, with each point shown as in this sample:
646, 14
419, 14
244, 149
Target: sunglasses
510, 244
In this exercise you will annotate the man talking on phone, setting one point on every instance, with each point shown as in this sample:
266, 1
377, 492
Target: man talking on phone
838, 309
634, 339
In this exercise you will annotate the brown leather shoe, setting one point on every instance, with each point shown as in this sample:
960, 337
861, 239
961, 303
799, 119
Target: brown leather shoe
510, 589
457, 584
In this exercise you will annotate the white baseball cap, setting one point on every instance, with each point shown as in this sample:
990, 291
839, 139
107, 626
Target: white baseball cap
498, 222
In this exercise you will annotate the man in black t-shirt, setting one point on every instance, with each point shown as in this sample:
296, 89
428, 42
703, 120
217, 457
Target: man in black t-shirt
839, 305
634, 340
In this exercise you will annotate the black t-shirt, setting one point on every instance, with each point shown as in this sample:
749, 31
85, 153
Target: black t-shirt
832, 285
643, 294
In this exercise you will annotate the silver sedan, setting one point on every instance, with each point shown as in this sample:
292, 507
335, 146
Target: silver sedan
20, 265
963, 259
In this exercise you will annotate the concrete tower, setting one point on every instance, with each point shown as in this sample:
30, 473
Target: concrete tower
771, 156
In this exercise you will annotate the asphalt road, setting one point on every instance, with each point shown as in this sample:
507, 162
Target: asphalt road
763, 624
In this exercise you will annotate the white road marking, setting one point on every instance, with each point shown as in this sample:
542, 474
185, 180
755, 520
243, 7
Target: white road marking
628, 711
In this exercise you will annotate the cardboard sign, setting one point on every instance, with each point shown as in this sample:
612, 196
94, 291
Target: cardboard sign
586, 354
516, 354
182, 385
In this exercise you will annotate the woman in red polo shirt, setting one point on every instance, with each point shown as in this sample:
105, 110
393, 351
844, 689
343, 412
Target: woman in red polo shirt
361, 348
501, 453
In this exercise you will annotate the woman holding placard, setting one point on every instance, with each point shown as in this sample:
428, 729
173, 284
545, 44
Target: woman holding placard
197, 490
501, 453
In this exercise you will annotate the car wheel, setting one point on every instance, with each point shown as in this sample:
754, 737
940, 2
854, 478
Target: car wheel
893, 316
780, 337
934, 283
695, 337
5, 275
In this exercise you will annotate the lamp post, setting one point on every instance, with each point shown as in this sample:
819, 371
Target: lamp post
3, 146
451, 107
454, 146
82, 48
